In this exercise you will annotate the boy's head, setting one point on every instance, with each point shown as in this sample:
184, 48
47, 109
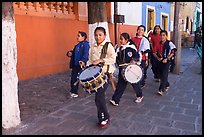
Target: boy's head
164, 35
140, 30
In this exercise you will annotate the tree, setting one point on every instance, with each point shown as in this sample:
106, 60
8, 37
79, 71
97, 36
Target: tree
97, 16
10, 105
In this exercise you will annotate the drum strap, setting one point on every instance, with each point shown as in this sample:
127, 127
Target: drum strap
104, 52
108, 66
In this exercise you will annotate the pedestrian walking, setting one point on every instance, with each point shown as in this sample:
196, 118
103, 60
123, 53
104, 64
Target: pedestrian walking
164, 52
197, 37
79, 57
142, 46
155, 39
127, 53
109, 58
198, 45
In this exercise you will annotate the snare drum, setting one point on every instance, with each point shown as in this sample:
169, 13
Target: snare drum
92, 78
132, 73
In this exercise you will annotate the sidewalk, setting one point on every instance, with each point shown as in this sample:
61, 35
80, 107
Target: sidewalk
178, 112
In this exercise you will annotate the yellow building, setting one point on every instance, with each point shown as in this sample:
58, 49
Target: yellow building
187, 15
187, 10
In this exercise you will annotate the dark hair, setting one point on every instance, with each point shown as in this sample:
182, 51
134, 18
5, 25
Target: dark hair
126, 36
154, 32
142, 27
83, 34
136, 34
101, 29
164, 31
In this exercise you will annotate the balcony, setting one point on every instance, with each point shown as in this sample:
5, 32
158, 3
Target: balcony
46, 9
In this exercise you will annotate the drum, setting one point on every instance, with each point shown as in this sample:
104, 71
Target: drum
92, 78
132, 73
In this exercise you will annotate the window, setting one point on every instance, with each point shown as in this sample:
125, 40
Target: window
150, 19
164, 21
191, 26
187, 22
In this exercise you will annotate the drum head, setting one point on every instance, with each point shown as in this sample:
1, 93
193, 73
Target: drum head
133, 73
89, 73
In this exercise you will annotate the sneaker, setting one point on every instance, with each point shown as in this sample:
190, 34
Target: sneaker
104, 123
157, 79
167, 88
74, 95
160, 92
139, 99
113, 103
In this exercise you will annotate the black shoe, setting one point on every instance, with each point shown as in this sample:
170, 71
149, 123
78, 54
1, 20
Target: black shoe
157, 79
167, 88
113, 103
160, 92
73, 95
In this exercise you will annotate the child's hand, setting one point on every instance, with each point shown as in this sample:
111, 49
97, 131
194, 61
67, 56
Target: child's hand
69, 54
159, 59
164, 61
146, 62
133, 62
96, 62
82, 64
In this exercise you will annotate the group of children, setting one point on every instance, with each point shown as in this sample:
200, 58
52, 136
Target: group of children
134, 50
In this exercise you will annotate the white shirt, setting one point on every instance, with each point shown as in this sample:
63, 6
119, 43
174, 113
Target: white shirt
110, 58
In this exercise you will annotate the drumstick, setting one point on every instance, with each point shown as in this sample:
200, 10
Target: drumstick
82, 66
112, 81
76, 83
123, 64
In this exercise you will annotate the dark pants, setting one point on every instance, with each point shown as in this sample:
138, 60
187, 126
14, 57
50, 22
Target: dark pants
144, 67
101, 103
155, 66
74, 73
164, 71
172, 64
121, 85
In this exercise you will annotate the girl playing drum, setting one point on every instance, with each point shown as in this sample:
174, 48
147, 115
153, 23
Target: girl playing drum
108, 60
127, 53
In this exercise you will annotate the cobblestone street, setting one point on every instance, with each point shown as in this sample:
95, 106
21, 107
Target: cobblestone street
46, 109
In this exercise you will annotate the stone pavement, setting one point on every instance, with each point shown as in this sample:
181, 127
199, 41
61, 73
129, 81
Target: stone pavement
178, 112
